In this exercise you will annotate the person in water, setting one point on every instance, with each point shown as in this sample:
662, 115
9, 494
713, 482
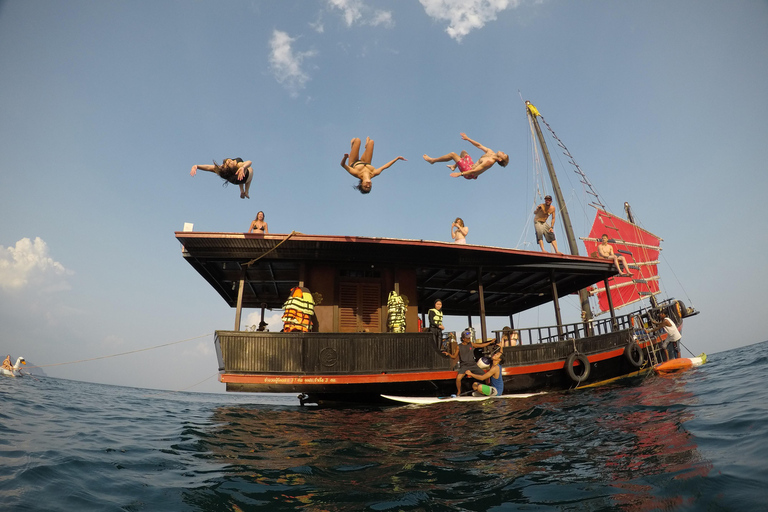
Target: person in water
258, 224
605, 251
459, 231
7, 363
231, 170
543, 228
360, 166
494, 374
467, 167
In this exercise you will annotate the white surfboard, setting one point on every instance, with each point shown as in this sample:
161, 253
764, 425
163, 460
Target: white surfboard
423, 400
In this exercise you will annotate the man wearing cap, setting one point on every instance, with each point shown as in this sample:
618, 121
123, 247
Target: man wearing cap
467, 356
543, 228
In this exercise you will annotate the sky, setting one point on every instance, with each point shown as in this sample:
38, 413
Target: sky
105, 106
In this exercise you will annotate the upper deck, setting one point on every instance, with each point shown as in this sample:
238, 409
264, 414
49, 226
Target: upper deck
507, 281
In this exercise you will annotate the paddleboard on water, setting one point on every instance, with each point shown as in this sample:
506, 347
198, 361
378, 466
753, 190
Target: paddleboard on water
464, 398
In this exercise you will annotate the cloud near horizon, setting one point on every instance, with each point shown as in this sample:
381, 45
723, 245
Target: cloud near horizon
463, 16
286, 63
28, 261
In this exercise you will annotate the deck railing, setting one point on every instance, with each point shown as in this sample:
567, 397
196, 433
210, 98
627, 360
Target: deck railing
551, 333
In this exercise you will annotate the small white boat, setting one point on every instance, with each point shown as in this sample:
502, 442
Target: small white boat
424, 400
15, 371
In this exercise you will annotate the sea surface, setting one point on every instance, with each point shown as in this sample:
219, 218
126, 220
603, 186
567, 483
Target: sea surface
697, 441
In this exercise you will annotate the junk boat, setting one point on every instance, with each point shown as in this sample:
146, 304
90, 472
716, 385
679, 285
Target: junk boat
354, 309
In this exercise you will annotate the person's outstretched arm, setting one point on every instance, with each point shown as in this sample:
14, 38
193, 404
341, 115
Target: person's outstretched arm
387, 165
209, 168
475, 143
346, 167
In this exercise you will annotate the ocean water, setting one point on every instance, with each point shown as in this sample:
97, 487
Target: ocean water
697, 441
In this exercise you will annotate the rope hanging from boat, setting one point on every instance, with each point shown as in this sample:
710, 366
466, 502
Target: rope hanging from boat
123, 353
249, 263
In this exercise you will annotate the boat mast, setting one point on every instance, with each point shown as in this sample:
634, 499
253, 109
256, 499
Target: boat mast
533, 113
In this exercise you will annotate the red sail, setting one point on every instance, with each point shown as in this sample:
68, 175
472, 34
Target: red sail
639, 247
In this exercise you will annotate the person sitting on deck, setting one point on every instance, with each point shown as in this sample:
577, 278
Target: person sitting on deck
467, 356
509, 337
467, 167
361, 167
605, 251
231, 170
7, 363
494, 374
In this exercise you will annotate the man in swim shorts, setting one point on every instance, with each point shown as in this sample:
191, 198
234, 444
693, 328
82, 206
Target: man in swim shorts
543, 228
467, 168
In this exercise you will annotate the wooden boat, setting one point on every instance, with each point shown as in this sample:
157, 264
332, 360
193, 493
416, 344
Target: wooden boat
335, 290
15, 371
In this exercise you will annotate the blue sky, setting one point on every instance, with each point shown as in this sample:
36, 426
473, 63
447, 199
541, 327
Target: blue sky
105, 106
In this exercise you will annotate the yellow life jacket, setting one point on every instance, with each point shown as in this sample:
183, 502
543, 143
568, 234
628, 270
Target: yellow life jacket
437, 319
298, 311
395, 313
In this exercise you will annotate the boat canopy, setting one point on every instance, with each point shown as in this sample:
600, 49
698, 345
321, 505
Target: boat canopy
269, 265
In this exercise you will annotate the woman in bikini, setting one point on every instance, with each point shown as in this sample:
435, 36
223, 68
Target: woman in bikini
361, 167
258, 224
459, 231
231, 170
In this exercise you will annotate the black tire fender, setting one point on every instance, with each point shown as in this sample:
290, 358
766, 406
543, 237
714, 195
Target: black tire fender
634, 354
569, 368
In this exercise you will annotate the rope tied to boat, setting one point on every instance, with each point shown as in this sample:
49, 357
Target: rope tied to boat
249, 263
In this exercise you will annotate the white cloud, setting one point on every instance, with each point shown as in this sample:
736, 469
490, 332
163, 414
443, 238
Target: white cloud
274, 320
463, 16
355, 11
286, 64
29, 262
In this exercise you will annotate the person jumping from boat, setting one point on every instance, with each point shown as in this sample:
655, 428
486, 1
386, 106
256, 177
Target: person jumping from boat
231, 170
459, 231
467, 167
605, 251
361, 167
545, 230
494, 374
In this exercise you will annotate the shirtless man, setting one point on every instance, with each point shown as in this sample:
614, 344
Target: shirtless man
543, 228
361, 167
605, 251
463, 161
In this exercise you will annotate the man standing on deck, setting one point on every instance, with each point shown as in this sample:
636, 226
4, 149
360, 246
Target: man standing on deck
543, 228
669, 345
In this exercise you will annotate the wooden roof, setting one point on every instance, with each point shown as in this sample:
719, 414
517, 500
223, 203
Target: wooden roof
271, 265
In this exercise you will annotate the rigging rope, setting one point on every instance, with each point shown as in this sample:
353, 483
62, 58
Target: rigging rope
122, 353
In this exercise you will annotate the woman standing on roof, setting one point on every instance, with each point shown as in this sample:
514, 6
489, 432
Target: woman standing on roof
258, 224
459, 231
232, 170
361, 167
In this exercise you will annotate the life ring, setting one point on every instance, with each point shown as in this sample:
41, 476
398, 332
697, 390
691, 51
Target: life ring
634, 354
581, 358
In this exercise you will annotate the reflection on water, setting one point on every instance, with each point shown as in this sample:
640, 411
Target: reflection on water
612, 448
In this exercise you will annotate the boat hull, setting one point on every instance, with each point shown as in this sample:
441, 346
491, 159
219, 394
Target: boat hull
360, 367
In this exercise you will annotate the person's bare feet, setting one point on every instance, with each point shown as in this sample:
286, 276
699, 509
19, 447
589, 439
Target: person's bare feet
451, 166
430, 160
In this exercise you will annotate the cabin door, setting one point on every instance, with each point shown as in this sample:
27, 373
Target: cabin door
359, 307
